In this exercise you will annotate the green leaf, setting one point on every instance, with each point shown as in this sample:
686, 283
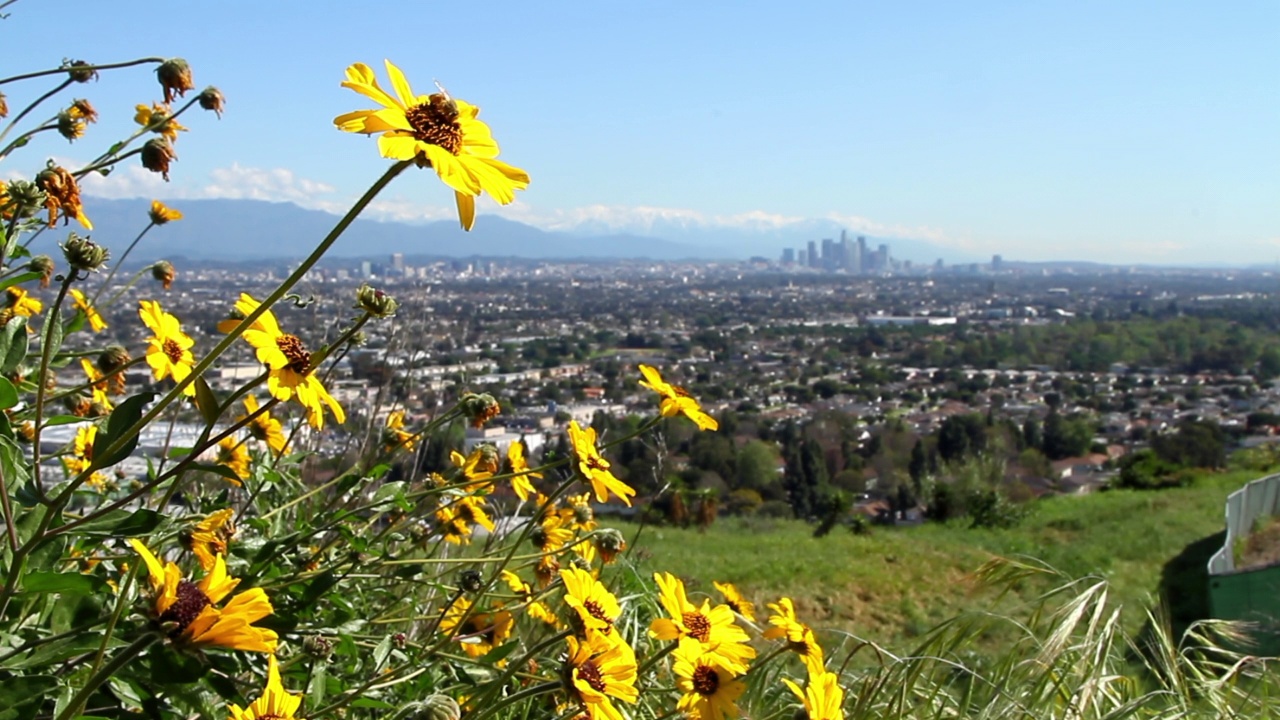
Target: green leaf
13, 344
315, 694
13, 463
381, 653
68, 583
365, 702
51, 333
169, 667
499, 653
122, 523
122, 418
8, 394
62, 420
9, 282
207, 402
222, 470
57, 651
16, 692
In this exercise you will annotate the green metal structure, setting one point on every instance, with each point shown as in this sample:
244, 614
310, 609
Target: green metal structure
1249, 594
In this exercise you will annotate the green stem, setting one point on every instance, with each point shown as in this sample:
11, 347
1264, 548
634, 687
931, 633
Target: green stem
118, 263
525, 694
46, 351
126, 656
27, 110
81, 68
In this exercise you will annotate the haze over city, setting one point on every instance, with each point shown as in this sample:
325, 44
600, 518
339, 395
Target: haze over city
1139, 132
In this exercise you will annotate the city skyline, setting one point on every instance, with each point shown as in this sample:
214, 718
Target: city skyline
1135, 133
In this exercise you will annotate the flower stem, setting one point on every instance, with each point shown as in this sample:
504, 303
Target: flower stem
118, 263
27, 110
81, 68
126, 656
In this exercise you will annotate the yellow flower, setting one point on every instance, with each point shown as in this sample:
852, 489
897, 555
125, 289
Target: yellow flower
594, 467
714, 627
81, 456
394, 436
273, 704
579, 515
800, 638
676, 400
161, 214
169, 349
601, 669
457, 517
481, 464
211, 537
551, 534
710, 691
434, 130
479, 632
97, 384
537, 610
158, 115
22, 303
823, 697
232, 454
597, 608
264, 428
521, 481
96, 323
290, 363
736, 602
191, 609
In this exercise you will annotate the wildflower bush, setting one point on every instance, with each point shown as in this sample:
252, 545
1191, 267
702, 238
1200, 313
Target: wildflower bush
222, 581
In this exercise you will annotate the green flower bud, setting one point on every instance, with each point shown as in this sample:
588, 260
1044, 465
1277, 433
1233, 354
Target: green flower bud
42, 264
375, 302
26, 197
84, 254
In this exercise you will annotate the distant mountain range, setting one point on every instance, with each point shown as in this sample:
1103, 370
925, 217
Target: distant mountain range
229, 230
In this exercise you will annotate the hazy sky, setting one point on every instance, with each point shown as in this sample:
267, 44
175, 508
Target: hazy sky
1116, 131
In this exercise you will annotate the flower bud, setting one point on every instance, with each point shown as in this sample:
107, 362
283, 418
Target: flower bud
470, 581
84, 254
609, 543
25, 198
211, 98
480, 408
70, 126
432, 707
164, 273
174, 75
318, 646
375, 302
161, 214
358, 339
4, 106
112, 362
78, 405
42, 264
157, 154
79, 70
27, 432
400, 640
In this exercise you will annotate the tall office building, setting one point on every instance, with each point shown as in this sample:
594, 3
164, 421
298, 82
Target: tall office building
812, 254
829, 254
862, 256
788, 256
802, 257
997, 263
886, 263
397, 263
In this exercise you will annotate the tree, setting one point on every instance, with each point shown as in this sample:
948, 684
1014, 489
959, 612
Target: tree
757, 466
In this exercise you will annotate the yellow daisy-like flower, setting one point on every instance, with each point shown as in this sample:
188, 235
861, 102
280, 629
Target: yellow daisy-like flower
707, 681
800, 638
822, 698
600, 670
21, 302
274, 703
158, 115
521, 476
597, 608
470, 510
81, 456
551, 534
264, 428
169, 349
713, 627
211, 537
451, 528
537, 609
191, 609
161, 214
579, 515
546, 570
96, 323
394, 436
290, 362
232, 454
676, 400
479, 632
435, 130
594, 467
736, 602
97, 384
481, 463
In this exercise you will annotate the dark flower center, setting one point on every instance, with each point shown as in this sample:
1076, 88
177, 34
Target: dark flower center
172, 350
191, 601
295, 352
698, 625
436, 122
591, 675
594, 610
705, 681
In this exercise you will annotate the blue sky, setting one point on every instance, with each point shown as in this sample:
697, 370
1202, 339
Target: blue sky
1114, 131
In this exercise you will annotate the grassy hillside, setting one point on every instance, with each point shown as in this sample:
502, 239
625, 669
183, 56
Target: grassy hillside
895, 583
